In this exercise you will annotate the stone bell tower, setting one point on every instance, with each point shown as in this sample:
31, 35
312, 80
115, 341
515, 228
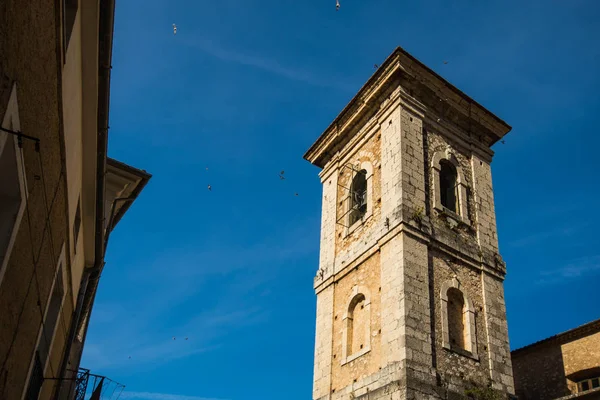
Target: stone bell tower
410, 298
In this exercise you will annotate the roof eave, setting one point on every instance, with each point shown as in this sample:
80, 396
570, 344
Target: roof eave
139, 178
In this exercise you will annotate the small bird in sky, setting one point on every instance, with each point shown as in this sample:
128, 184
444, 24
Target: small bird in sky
129, 357
375, 66
296, 194
186, 338
502, 141
337, 5
173, 337
281, 175
174, 29
445, 62
209, 187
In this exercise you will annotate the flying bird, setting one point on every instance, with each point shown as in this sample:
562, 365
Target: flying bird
445, 62
281, 175
173, 337
174, 29
337, 5
209, 187
186, 338
296, 194
502, 141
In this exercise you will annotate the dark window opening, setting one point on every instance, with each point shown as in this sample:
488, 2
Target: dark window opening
358, 197
76, 226
456, 323
448, 183
69, 14
36, 379
357, 323
588, 384
10, 192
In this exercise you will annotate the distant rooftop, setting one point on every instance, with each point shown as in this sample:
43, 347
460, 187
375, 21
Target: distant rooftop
571, 334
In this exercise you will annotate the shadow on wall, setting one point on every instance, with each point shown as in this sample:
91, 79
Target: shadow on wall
540, 375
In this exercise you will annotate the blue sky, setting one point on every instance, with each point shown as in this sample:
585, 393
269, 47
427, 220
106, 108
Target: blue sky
243, 89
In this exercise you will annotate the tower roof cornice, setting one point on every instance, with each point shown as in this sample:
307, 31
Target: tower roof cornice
400, 64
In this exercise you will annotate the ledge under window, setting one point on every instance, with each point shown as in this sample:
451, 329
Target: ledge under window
356, 355
462, 352
358, 223
449, 213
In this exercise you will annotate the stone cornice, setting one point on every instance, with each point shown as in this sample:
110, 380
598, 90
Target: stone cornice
415, 233
399, 63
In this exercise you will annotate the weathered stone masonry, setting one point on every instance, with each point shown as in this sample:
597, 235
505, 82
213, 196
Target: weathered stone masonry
408, 252
559, 366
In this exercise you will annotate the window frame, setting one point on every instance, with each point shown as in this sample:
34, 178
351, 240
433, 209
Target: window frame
450, 169
462, 211
347, 321
580, 382
470, 333
367, 166
11, 121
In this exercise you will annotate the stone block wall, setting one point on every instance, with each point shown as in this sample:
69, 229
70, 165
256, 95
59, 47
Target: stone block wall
497, 332
551, 368
454, 363
581, 354
328, 222
403, 254
323, 343
540, 375
364, 279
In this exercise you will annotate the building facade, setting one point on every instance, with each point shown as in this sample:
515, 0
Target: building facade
564, 366
410, 298
59, 192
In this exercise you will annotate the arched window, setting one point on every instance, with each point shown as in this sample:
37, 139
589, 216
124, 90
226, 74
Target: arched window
356, 324
458, 319
356, 339
448, 185
358, 196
